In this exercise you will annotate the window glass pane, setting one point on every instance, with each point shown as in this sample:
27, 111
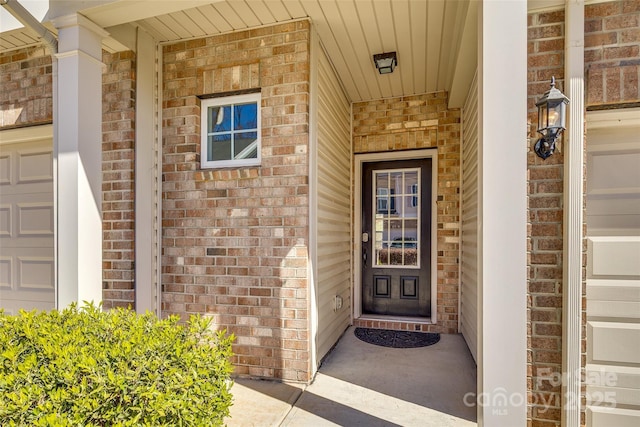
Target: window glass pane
382, 200
410, 256
219, 119
219, 147
382, 256
397, 217
245, 145
245, 116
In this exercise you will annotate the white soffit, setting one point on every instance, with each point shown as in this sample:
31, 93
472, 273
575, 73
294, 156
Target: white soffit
426, 35
435, 52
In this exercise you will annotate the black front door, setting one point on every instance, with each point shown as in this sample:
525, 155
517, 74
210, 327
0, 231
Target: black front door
396, 238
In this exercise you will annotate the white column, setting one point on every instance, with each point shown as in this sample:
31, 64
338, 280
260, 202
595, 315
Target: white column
502, 323
573, 149
78, 157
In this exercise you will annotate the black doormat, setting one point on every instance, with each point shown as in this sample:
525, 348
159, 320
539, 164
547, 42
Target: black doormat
396, 339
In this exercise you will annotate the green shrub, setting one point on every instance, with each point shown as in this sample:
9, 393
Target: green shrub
86, 367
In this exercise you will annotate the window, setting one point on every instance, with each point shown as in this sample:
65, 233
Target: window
231, 131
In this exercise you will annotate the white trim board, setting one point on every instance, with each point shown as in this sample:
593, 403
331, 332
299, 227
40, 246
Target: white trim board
26, 134
428, 153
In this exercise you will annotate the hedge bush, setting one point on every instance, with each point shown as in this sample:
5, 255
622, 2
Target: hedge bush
86, 367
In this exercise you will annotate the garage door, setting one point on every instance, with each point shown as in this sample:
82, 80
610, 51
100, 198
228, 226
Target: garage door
613, 274
26, 221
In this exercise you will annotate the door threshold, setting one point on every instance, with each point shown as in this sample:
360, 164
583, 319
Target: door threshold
397, 319
397, 323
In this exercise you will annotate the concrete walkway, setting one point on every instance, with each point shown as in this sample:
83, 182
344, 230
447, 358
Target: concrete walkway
360, 384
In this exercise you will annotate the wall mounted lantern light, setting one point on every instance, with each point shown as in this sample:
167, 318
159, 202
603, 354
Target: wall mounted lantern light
385, 62
551, 120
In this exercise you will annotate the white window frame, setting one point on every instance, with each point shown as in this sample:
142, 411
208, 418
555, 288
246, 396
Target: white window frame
205, 104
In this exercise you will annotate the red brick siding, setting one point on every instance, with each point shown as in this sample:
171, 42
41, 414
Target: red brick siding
545, 59
235, 241
411, 122
612, 65
118, 174
26, 80
612, 52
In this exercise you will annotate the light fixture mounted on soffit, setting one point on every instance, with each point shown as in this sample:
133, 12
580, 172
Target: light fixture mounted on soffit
385, 62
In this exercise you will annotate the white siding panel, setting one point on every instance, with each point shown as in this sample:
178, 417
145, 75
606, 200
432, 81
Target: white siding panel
469, 249
333, 210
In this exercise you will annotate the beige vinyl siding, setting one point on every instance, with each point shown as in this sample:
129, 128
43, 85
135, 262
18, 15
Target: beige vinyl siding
333, 211
469, 216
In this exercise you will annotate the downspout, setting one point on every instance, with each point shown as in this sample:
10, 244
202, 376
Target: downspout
26, 18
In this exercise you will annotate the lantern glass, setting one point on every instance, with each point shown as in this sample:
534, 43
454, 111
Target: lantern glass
542, 117
558, 113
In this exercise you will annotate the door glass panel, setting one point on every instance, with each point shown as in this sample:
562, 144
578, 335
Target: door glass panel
397, 218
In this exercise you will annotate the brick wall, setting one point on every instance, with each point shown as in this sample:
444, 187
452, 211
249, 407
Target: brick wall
612, 65
612, 53
118, 185
26, 80
413, 122
235, 241
545, 59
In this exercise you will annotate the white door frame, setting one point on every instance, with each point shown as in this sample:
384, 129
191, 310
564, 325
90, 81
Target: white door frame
428, 153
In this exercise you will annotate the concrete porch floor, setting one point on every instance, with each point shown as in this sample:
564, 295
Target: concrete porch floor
361, 384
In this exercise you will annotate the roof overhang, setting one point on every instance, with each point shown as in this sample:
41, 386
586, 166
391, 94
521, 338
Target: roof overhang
436, 40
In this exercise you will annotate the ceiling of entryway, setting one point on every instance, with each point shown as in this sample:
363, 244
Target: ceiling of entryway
425, 34
435, 40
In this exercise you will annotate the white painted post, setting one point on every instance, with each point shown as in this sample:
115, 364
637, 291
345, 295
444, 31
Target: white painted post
78, 156
573, 215
502, 323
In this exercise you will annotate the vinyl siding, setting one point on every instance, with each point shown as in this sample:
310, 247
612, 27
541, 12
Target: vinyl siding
333, 210
469, 217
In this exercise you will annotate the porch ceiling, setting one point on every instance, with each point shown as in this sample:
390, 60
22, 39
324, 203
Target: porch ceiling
426, 35
435, 40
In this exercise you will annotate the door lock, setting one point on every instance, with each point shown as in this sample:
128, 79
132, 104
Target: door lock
365, 237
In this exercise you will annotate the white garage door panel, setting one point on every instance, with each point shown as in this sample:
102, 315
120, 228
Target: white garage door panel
627, 377
614, 342
627, 309
613, 290
614, 256
5, 220
608, 298
35, 165
26, 226
612, 417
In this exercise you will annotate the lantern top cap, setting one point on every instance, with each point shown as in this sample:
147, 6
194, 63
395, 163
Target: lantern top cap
552, 96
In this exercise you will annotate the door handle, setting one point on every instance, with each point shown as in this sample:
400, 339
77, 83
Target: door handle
364, 257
